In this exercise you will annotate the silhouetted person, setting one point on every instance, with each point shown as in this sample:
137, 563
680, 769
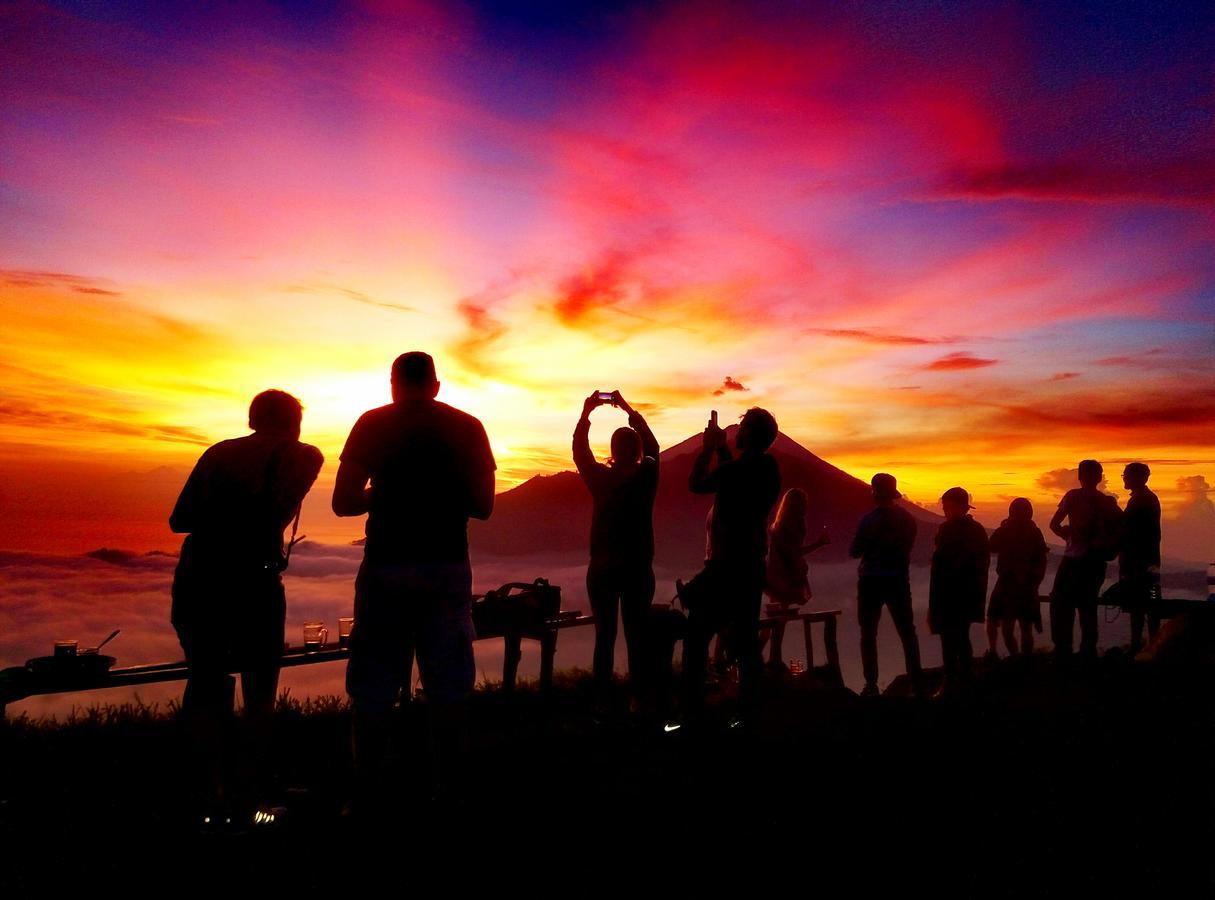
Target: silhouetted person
788, 574
228, 600
883, 543
1139, 559
620, 575
1020, 552
957, 585
1091, 533
744, 491
430, 468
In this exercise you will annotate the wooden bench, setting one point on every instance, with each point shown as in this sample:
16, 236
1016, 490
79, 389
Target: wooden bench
776, 623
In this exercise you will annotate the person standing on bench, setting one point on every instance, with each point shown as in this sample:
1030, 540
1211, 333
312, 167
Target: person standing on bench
430, 468
883, 543
744, 491
228, 600
620, 575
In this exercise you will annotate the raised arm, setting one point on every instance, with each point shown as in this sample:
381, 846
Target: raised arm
584, 459
649, 443
702, 479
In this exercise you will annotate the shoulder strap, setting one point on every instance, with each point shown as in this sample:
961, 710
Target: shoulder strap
272, 466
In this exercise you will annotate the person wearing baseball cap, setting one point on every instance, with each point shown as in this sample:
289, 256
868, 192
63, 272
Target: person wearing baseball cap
957, 587
883, 542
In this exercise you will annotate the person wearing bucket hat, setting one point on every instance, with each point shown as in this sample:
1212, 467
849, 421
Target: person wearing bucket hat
957, 586
883, 542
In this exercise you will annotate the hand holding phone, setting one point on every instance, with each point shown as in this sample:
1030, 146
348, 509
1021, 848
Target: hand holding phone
714, 436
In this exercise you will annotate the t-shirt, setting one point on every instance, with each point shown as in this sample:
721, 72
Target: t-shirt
883, 542
240, 496
745, 490
1140, 533
1092, 520
957, 581
424, 460
1021, 551
622, 511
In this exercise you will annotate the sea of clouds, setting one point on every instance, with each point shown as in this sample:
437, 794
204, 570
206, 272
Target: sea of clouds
45, 597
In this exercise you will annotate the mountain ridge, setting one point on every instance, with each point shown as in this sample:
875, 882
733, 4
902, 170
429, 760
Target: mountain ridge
553, 512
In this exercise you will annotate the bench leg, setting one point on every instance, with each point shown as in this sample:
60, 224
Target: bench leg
809, 634
512, 652
833, 651
548, 650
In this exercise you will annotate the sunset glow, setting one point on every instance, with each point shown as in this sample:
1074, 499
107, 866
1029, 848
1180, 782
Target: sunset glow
968, 248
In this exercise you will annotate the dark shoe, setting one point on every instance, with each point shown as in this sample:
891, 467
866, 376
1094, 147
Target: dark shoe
870, 690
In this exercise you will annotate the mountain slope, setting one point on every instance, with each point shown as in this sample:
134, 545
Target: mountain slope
552, 513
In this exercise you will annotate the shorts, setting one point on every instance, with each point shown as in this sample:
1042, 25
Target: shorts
1012, 600
405, 608
1078, 581
229, 621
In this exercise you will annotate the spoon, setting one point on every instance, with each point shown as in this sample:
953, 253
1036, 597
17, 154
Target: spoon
113, 634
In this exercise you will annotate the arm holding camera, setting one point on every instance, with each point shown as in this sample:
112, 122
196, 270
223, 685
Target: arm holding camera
584, 459
649, 443
702, 480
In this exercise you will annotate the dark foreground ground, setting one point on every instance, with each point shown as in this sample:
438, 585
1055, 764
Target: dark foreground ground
1043, 782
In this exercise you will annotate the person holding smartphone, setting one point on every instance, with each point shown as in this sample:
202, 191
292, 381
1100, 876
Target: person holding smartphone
744, 489
620, 574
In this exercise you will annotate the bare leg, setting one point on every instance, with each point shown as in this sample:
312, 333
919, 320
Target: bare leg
258, 688
1008, 626
993, 627
1027, 638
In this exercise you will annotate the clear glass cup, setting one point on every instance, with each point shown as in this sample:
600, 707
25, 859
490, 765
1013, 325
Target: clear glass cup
315, 636
345, 624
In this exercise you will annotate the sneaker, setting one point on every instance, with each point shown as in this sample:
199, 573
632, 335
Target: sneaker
266, 817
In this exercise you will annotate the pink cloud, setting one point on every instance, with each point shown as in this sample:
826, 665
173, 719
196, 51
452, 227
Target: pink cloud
952, 362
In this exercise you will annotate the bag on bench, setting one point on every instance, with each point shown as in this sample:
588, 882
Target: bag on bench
516, 606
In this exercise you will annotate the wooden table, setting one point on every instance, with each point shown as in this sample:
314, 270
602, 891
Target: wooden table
18, 682
826, 617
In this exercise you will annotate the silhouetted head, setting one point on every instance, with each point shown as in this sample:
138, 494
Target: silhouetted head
792, 507
276, 412
413, 377
626, 447
1135, 475
885, 488
955, 503
1020, 509
1090, 473
756, 432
